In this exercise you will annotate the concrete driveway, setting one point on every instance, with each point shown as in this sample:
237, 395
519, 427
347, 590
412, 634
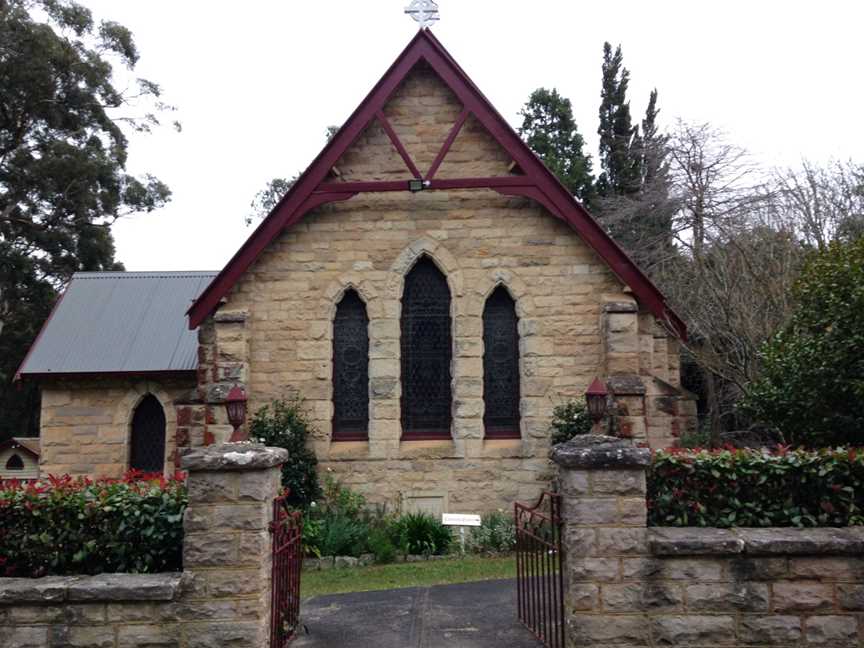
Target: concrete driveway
468, 615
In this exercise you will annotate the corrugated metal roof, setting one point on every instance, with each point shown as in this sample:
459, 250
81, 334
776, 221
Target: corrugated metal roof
119, 322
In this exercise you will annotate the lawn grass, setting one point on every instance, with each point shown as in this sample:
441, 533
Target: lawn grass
415, 574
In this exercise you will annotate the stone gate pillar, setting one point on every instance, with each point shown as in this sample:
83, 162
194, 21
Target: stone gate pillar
602, 483
227, 542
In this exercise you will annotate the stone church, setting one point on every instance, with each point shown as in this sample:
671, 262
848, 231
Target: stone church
427, 286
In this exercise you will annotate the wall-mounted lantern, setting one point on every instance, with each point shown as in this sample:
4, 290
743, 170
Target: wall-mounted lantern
235, 404
596, 396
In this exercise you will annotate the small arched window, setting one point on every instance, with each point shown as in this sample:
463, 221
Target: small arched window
426, 353
15, 463
501, 366
147, 451
351, 369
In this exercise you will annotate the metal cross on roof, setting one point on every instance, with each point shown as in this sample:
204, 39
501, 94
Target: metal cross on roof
424, 12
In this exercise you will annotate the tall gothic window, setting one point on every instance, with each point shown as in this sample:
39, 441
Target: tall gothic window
148, 436
351, 369
426, 353
501, 366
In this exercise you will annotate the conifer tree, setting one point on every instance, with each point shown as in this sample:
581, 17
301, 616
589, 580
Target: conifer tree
619, 138
550, 131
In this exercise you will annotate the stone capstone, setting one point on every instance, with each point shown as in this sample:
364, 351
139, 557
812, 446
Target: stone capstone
755, 542
233, 456
109, 588
693, 542
626, 385
595, 451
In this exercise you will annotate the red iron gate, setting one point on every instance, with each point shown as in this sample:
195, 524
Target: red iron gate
540, 577
287, 530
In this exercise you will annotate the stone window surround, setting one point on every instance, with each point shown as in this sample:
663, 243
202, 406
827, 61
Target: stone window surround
126, 412
464, 304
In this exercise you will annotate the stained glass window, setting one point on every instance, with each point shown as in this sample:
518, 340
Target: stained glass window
351, 369
426, 352
501, 365
148, 436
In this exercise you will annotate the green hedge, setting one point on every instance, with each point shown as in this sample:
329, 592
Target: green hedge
752, 488
64, 526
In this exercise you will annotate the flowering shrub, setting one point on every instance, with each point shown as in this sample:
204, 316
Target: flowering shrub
755, 488
62, 525
570, 419
496, 534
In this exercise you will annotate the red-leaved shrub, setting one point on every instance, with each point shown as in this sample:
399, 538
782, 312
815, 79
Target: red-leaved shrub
756, 488
65, 525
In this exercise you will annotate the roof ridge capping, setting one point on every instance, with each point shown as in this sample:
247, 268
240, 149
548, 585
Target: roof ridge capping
540, 184
121, 274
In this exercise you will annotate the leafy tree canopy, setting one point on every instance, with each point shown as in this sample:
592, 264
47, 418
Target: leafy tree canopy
812, 386
266, 199
550, 131
63, 156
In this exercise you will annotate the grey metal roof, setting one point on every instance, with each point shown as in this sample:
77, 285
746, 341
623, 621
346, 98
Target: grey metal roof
119, 322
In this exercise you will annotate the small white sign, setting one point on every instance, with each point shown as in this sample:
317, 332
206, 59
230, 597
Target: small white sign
460, 519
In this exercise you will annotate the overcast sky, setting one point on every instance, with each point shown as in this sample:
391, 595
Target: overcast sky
257, 83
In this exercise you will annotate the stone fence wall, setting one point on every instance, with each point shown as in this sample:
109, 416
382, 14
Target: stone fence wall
628, 585
222, 598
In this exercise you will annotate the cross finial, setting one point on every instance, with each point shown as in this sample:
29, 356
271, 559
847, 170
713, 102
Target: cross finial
425, 12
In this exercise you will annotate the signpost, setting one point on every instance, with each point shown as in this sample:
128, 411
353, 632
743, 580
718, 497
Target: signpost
460, 520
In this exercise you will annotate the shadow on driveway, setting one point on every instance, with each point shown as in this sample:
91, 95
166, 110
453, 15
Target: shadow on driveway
468, 615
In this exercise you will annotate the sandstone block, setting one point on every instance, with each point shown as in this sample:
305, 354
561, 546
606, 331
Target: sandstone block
728, 597
593, 569
151, 636
693, 630
591, 630
642, 597
581, 597
835, 631
672, 569
574, 482
618, 482
24, 637
210, 549
851, 597
229, 635
616, 542
826, 569
770, 630
803, 597
592, 511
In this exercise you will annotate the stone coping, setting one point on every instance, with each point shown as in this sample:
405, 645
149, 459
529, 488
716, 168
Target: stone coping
233, 456
692, 541
592, 451
104, 588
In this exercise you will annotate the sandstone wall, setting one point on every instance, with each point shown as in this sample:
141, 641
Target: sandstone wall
221, 599
626, 584
274, 333
85, 424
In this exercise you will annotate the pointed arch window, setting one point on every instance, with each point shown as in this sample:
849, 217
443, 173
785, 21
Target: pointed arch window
501, 366
147, 445
426, 353
351, 369
15, 463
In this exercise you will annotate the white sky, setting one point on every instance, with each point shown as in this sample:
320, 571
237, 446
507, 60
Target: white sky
257, 82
